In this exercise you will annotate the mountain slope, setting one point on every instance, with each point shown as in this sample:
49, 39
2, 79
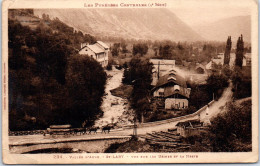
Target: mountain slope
221, 29
154, 24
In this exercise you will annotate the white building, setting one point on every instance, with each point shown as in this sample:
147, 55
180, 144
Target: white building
98, 51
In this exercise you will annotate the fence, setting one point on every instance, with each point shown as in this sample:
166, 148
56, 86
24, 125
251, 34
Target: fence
32, 132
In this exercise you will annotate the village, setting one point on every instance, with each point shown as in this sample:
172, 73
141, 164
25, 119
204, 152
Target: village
169, 89
155, 96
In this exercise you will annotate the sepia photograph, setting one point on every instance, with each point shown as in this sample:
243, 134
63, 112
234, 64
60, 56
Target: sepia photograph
129, 82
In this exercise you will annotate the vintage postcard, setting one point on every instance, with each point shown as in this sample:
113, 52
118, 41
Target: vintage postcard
125, 81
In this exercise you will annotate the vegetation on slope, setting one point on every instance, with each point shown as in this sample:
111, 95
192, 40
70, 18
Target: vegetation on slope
48, 82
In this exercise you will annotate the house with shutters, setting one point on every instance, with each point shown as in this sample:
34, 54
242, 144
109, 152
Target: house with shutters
98, 51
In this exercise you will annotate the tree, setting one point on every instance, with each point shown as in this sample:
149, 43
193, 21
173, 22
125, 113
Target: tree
38, 62
199, 96
115, 49
166, 51
216, 84
139, 75
123, 46
227, 51
140, 48
236, 77
233, 128
239, 52
86, 81
109, 65
36, 76
242, 82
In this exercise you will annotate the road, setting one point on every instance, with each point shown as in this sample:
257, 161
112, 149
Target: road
216, 108
220, 105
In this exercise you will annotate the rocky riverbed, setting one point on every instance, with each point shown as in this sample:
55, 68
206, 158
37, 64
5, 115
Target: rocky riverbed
116, 109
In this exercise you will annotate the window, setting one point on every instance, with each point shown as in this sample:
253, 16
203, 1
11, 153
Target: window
161, 93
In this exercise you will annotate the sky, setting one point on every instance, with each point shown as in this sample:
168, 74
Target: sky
195, 16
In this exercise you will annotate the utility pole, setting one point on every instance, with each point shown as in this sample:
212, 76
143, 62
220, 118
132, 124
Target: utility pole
158, 70
135, 127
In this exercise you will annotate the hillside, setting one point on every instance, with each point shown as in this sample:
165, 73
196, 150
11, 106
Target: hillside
43, 68
154, 24
233, 26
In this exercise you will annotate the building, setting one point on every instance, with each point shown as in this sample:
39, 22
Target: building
172, 88
219, 60
160, 68
169, 87
200, 68
190, 128
247, 59
98, 51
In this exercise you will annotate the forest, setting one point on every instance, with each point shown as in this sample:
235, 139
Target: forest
49, 83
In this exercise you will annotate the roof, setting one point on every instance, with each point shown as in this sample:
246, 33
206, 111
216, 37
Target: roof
103, 44
218, 61
220, 54
167, 78
209, 65
96, 49
162, 61
185, 63
189, 123
171, 90
200, 66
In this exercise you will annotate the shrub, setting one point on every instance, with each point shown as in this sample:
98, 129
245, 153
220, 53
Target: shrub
232, 128
109, 66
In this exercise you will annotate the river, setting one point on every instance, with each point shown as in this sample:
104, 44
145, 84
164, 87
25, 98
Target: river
115, 108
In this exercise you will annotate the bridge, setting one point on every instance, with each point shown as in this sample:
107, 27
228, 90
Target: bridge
97, 143
89, 144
